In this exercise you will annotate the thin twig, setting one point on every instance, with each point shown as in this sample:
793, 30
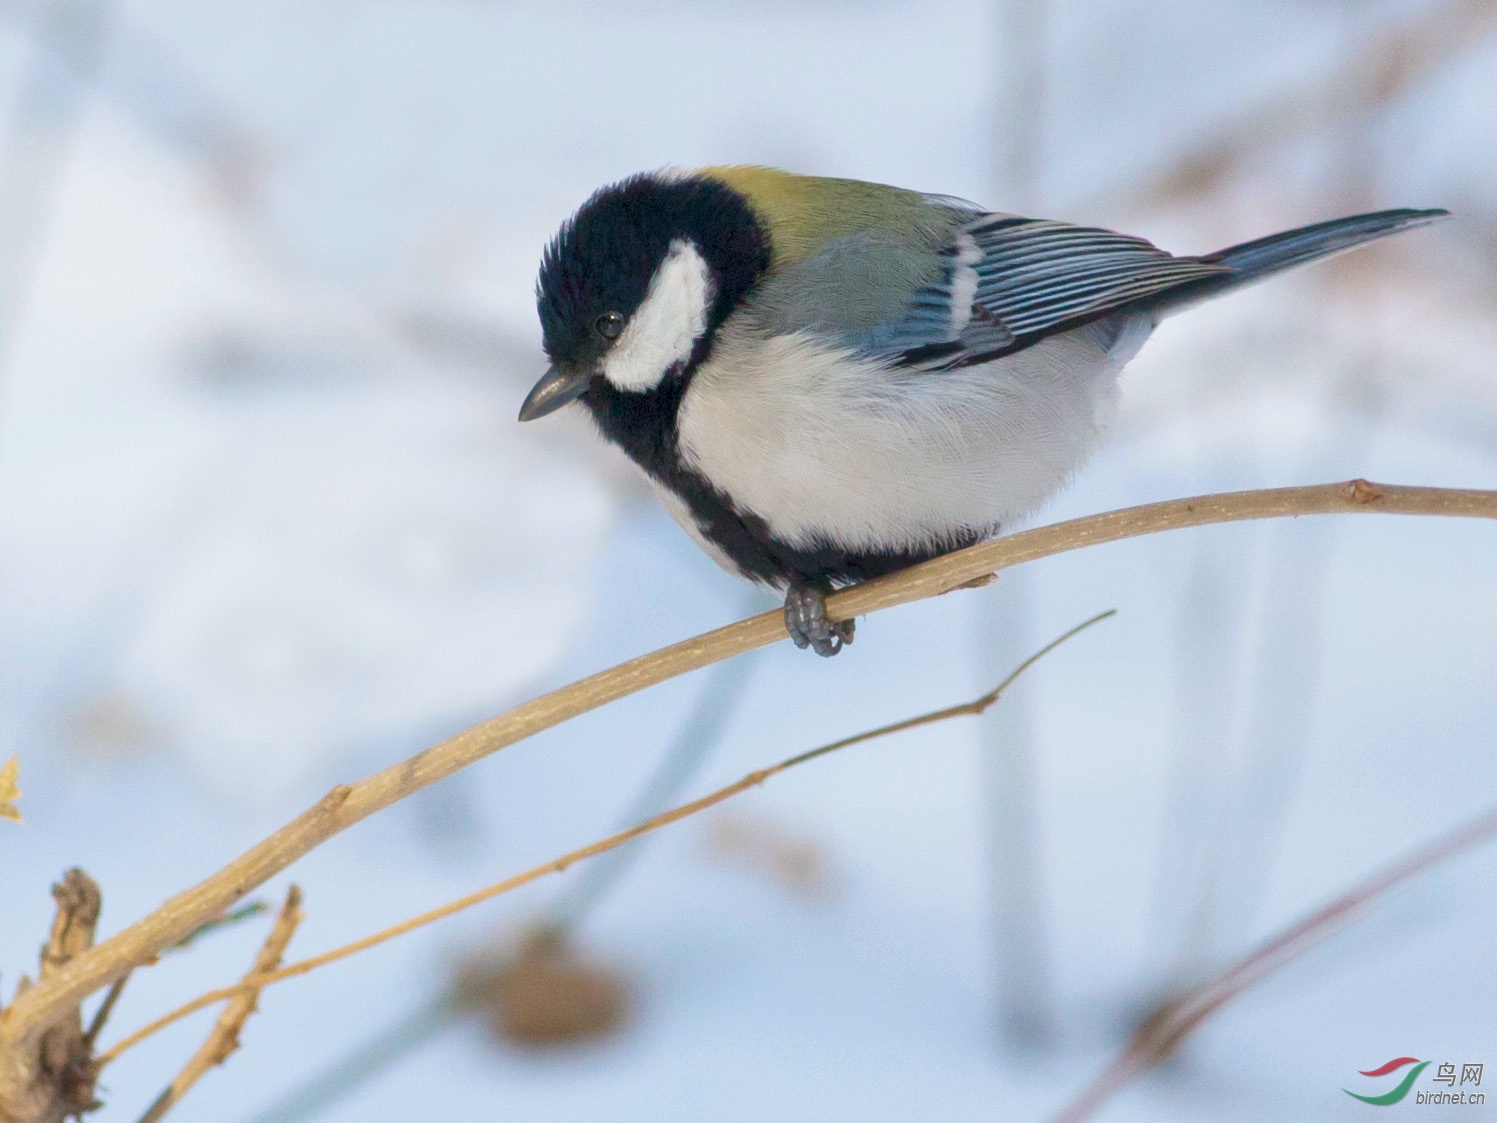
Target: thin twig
557, 865
101, 1015
347, 804
56, 1079
224, 1038
1161, 1033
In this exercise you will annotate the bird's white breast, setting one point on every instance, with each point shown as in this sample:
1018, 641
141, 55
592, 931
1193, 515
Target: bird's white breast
827, 447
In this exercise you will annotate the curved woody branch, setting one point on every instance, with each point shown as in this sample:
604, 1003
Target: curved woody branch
29, 1015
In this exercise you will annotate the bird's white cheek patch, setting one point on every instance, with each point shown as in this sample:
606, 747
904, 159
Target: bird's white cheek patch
667, 323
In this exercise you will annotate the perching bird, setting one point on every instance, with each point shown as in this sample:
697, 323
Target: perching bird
827, 380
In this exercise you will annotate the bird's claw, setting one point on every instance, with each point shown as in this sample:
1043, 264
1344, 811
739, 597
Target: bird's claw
807, 623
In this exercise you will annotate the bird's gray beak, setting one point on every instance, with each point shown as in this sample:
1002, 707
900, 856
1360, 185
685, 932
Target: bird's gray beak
555, 389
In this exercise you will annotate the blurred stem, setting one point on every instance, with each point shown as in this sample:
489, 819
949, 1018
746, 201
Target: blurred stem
1206, 661
1160, 1035
709, 717
1365, 83
1289, 639
68, 40
1009, 796
1280, 711
359, 1067
1026, 1019
1019, 117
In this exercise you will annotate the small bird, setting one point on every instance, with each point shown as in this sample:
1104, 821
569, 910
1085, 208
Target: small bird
827, 380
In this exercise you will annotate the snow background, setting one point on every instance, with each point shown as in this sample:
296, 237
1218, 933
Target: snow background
266, 524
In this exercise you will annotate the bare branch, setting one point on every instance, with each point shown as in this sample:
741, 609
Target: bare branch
224, 1038
557, 865
346, 804
52, 1075
1162, 1032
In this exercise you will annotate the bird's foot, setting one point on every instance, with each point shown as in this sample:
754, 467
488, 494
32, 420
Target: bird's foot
807, 623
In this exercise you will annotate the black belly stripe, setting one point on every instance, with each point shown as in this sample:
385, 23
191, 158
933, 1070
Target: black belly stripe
644, 426
746, 539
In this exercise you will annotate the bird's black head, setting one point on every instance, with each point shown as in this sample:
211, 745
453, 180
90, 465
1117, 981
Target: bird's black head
633, 287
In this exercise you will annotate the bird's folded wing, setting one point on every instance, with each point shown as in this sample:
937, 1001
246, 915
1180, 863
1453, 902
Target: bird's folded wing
1009, 282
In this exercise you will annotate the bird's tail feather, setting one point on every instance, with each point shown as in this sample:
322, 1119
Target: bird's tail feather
1293, 247
1252, 261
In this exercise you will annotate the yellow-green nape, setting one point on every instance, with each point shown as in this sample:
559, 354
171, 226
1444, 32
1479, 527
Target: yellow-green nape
802, 212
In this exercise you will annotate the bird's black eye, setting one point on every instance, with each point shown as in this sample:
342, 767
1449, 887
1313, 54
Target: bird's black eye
609, 325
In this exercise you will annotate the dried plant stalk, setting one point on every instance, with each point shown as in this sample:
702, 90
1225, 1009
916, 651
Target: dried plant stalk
346, 804
1162, 1032
602, 846
224, 1038
55, 1079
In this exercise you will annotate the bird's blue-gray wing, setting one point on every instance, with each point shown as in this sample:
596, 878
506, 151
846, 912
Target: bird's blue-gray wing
1007, 282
